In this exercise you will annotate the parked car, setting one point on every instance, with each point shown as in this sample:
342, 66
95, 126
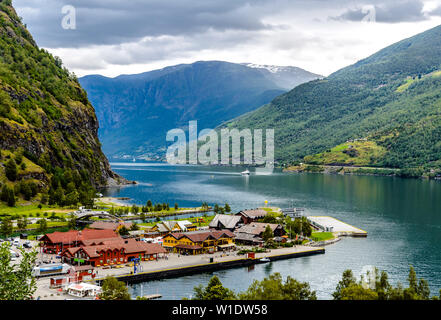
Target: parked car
27, 245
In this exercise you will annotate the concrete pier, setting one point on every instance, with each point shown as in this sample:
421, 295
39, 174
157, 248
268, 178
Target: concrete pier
339, 228
187, 265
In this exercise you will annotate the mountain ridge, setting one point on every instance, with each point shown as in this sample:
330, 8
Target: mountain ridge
208, 91
365, 100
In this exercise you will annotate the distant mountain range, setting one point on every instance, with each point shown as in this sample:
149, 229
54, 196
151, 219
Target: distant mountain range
136, 111
388, 103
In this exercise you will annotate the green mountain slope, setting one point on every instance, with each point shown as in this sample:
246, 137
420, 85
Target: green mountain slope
48, 128
393, 98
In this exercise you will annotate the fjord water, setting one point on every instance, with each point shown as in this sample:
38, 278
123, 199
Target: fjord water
402, 217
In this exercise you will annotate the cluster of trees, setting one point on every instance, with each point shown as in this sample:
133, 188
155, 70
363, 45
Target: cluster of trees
220, 210
123, 231
69, 188
8, 196
298, 226
16, 282
271, 288
149, 207
6, 227
373, 286
376, 286
28, 188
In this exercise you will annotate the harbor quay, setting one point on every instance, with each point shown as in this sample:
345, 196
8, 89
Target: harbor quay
175, 265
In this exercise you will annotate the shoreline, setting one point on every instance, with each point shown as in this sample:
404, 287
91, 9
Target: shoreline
199, 264
354, 171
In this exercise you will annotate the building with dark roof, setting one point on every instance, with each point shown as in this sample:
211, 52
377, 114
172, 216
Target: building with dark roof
226, 221
106, 225
249, 216
199, 242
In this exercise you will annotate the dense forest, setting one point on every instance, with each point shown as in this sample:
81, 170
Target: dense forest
392, 99
48, 142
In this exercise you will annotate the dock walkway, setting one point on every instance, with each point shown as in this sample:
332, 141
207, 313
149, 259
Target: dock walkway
177, 266
336, 226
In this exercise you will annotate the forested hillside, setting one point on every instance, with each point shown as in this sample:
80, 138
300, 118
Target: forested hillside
48, 129
392, 98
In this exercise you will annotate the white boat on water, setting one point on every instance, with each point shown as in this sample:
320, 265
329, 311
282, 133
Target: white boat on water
265, 260
245, 173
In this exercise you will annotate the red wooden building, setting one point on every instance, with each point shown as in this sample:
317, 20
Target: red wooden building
112, 251
57, 242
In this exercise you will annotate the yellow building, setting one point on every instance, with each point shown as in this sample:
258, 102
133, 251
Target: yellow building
199, 242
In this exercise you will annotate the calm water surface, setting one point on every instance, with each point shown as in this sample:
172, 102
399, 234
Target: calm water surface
402, 217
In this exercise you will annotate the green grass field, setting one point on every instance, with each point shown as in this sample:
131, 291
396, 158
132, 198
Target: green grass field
322, 236
33, 210
357, 153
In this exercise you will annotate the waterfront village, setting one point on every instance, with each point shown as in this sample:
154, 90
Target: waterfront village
135, 246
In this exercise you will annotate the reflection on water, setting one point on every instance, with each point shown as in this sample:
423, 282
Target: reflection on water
402, 217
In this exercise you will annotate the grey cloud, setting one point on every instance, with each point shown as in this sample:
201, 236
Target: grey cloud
106, 22
395, 12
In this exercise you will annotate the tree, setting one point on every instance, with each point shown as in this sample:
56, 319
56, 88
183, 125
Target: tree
72, 198
11, 198
11, 170
123, 231
134, 227
214, 291
4, 196
273, 288
347, 280
6, 228
349, 289
176, 206
227, 208
134, 209
42, 225
16, 281
216, 208
357, 292
72, 222
149, 203
142, 216
22, 223
112, 289
267, 234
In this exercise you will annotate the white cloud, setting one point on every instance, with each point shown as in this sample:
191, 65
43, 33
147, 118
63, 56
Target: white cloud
146, 35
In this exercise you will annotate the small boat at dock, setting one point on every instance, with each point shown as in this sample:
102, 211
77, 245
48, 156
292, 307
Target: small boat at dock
245, 173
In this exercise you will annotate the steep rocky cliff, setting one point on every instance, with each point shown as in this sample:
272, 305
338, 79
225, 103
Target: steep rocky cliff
45, 116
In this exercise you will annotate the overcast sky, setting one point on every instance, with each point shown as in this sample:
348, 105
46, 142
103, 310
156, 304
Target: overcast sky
113, 37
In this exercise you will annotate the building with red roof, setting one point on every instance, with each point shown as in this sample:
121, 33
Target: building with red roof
112, 252
59, 241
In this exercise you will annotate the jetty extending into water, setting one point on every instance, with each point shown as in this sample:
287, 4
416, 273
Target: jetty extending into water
178, 266
337, 227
